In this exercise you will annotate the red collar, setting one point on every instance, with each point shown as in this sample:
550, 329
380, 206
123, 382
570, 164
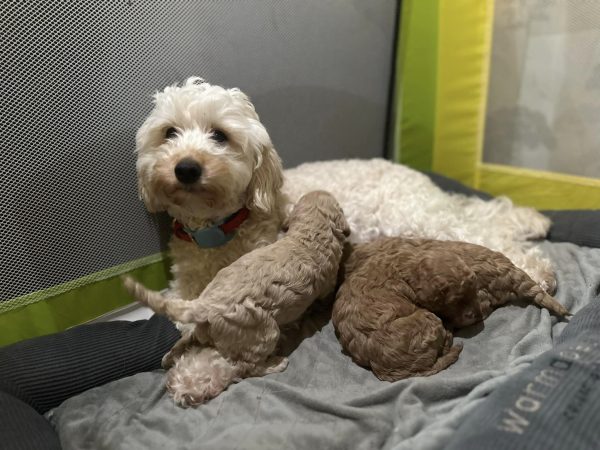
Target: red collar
227, 226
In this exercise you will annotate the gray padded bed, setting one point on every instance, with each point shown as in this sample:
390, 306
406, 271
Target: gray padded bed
323, 400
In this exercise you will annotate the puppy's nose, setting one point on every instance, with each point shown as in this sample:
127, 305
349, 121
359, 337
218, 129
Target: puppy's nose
188, 171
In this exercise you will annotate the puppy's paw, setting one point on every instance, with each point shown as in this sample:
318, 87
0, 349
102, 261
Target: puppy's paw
168, 360
545, 278
549, 283
195, 396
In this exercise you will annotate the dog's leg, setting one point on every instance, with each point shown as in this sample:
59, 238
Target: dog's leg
534, 263
201, 374
528, 223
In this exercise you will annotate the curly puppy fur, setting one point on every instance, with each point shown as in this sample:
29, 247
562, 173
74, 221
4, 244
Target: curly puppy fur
394, 292
219, 130
237, 317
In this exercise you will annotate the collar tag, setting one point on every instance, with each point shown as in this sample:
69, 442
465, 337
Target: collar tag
210, 237
214, 236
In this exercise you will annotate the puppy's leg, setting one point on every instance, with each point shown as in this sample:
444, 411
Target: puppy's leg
153, 299
439, 272
249, 335
177, 310
273, 364
179, 348
415, 345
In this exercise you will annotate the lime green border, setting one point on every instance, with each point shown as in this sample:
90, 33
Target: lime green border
464, 51
77, 301
416, 60
539, 189
442, 76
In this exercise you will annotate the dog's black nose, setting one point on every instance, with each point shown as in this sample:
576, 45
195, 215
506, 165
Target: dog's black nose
188, 171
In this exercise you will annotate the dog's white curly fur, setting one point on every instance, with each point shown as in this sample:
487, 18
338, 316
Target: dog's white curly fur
378, 197
243, 171
381, 198
237, 317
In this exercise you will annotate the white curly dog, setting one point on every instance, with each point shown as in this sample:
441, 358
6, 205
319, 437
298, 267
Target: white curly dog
204, 157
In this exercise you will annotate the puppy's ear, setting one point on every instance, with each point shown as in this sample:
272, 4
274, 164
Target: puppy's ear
346, 230
267, 177
343, 225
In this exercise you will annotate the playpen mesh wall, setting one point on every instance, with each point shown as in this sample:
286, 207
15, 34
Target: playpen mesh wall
77, 83
504, 97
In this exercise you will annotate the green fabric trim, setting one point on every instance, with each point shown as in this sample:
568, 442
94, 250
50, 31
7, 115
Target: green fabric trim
416, 80
78, 301
465, 33
74, 284
539, 189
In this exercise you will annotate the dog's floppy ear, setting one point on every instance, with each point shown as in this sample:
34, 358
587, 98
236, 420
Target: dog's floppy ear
151, 204
244, 101
144, 141
267, 178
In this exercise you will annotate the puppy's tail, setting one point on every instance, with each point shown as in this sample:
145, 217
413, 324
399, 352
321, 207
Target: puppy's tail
177, 310
545, 300
531, 291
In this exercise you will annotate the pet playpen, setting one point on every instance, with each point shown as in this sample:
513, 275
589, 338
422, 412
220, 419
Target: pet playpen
503, 97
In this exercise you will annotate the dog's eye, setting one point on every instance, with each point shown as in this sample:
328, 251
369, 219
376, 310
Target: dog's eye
170, 133
218, 136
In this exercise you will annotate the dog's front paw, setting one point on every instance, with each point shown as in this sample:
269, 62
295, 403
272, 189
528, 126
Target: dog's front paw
194, 396
190, 390
275, 364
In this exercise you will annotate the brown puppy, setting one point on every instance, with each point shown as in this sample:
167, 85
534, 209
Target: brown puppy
394, 292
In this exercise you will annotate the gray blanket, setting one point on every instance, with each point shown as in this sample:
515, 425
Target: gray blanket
323, 400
